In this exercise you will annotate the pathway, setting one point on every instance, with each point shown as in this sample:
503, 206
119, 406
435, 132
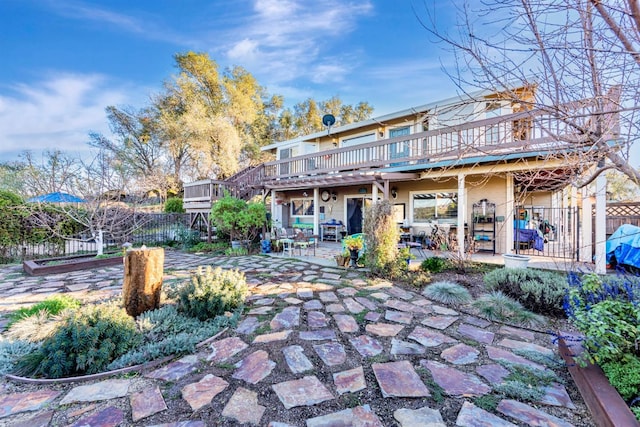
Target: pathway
319, 346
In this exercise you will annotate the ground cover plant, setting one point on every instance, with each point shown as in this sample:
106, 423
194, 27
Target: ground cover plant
537, 290
51, 306
59, 338
607, 311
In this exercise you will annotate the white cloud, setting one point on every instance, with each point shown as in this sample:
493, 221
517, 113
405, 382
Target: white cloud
56, 113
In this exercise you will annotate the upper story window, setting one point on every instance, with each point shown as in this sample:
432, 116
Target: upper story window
399, 149
434, 206
370, 137
301, 207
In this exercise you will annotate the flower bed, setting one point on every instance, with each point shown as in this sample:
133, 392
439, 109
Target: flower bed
63, 265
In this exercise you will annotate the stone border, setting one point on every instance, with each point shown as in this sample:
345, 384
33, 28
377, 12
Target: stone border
34, 268
605, 404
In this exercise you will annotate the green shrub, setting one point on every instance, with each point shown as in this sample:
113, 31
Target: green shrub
173, 205
11, 351
607, 311
168, 332
212, 292
239, 219
500, 307
86, 342
434, 264
209, 247
624, 375
236, 251
539, 291
447, 293
52, 306
187, 237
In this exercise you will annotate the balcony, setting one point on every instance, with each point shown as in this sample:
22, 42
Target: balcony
523, 134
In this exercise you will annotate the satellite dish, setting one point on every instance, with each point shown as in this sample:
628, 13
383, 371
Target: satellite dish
328, 120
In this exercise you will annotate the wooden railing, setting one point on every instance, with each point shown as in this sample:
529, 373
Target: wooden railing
525, 131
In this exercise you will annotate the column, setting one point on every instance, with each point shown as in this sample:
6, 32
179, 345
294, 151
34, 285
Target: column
462, 213
601, 223
586, 240
509, 215
316, 209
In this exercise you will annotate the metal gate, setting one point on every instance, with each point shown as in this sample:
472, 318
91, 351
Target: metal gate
548, 232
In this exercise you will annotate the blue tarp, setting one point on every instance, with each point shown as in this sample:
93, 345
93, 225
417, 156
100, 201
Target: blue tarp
624, 244
56, 197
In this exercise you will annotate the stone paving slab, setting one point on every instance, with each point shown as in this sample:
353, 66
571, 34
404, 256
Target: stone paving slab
360, 416
472, 416
529, 415
103, 390
29, 401
200, 393
399, 379
350, 381
306, 391
243, 407
146, 403
175, 370
109, 417
422, 417
255, 367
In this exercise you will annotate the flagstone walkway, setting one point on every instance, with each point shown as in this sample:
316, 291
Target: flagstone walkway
318, 347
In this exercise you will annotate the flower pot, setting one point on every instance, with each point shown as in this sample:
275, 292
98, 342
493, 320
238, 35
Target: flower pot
515, 261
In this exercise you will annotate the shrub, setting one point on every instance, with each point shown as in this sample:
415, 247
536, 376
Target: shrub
209, 247
539, 291
173, 205
167, 332
34, 328
447, 292
606, 310
52, 306
11, 350
500, 307
86, 342
212, 292
241, 220
434, 264
624, 375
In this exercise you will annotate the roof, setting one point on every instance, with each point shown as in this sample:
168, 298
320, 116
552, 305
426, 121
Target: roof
57, 197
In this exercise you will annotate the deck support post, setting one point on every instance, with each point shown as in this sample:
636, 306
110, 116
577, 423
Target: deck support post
462, 214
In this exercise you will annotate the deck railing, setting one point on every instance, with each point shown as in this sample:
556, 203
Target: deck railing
524, 131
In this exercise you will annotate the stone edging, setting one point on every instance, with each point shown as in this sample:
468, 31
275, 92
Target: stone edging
605, 404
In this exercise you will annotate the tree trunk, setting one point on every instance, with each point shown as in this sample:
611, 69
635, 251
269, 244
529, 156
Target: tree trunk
143, 270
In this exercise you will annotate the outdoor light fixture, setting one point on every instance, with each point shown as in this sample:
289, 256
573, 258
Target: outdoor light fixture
394, 192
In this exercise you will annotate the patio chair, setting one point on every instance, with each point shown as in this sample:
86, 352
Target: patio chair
305, 241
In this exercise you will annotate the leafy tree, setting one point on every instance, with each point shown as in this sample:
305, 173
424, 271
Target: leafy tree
582, 58
240, 219
621, 188
173, 205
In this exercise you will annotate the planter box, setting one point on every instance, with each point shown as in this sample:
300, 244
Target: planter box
40, 267
605, 404
515, 261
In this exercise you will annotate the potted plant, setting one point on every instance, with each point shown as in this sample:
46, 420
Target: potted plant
354, 244
342, 260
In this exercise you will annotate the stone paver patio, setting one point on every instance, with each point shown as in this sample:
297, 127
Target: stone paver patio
330, 349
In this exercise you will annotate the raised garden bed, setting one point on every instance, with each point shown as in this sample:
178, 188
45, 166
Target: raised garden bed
605, 404
46, 266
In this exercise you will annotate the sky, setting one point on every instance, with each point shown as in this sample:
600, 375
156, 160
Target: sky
64, 61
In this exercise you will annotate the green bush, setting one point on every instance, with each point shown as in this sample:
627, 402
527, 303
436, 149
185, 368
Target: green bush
607, 311
624, 375
209, 247
187, 237
85, 343
13, 350
212, 292
447, 293
173, 205
239, 219
52, 306
167, 332
434, 264
539, 291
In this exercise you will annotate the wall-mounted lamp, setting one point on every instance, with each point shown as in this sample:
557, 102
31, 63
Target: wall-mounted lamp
334, 196
304, 194
335, 143
394, 192
381, 133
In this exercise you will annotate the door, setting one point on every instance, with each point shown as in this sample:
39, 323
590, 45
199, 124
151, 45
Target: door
354, 215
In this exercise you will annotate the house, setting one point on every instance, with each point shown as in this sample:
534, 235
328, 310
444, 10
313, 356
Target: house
479, 168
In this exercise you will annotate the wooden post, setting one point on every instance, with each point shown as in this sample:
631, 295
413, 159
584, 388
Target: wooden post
143, 270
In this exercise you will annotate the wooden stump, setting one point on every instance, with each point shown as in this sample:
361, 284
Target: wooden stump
143, 270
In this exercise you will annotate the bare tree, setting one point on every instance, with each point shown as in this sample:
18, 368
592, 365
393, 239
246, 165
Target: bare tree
578, 58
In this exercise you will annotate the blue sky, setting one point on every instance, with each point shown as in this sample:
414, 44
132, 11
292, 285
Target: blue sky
65, 61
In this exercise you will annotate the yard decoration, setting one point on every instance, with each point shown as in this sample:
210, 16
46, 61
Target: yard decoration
143, 270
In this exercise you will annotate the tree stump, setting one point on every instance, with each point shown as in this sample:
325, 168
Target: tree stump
143, 270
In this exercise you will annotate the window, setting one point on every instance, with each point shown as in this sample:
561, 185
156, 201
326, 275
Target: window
435, 206
301, 207
399, 149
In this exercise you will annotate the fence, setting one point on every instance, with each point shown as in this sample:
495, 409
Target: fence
152, 229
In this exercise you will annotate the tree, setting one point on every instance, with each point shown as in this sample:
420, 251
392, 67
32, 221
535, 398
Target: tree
242, 220
585, 65
620, 188
57, 171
